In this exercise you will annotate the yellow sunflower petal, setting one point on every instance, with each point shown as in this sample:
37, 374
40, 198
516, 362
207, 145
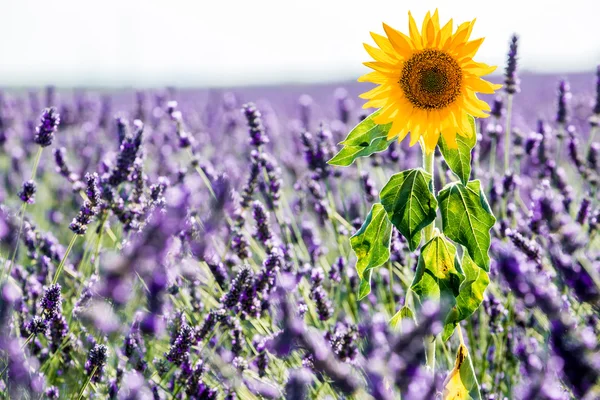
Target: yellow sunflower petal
414, 32
449, 135
383, 43
431, 140
435, 18
397, 126
469, 49
399, 41
374, 103
481, 85
478, 68
379, 54
373, 93
445, 33
380, 66
374, 77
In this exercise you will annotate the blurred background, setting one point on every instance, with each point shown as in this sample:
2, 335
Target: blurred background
149, 43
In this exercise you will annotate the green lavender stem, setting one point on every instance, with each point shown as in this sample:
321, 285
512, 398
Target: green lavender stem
64, 259
508, 133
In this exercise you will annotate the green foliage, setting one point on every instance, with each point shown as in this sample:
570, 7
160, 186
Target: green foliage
469, 297
467, 219
411, 206
438, 274
371, 244
363, 140
459, 159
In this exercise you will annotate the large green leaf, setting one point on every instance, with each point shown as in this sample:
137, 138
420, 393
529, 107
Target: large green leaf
371, 244
438, 276
461, 383
411, 206
363, 140
469, 297
467, 219
459, 159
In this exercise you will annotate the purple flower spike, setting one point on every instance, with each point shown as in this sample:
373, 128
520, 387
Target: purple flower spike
27, 193
48, 125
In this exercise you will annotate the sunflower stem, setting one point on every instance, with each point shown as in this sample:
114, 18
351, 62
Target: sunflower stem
508, 132
429, 167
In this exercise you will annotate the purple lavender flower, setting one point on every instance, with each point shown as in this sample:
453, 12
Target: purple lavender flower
48, 125
51, 302
564, 95
96, 361
597, 103
179, 351
90, 207
128, 152
52, 392
258, 136
27, 192
263, 232
510, 73
37, 325
232, 297
497, 107
62, 167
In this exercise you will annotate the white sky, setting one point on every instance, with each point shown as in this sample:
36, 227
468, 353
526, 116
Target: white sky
219, 42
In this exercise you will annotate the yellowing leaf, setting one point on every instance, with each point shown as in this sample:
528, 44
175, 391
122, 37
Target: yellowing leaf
461, 383
454, 388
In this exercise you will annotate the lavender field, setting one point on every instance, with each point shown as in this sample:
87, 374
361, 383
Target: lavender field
177, 243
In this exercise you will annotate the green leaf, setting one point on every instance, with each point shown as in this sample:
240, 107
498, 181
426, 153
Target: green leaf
469, 297
371, 244
411, 206
438, 276
467, 219
459, 159
461, 383
363, 140
404, 313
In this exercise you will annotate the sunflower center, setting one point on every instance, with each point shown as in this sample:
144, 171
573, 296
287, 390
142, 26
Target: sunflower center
431, 79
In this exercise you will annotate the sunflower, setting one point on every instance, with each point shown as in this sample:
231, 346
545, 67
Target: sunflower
427, 81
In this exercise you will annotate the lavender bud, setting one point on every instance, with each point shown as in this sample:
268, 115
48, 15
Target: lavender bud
27, 193
510, 74
497, 107
48, 125
584, 211
563, 97
232, 298
51, 302
257, 133
96, 361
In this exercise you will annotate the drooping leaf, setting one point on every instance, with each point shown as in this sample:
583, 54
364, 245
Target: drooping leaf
402, 314
364, 288
459, 159
371, 244
409, 203
461, 383
438, 276
469, 297
363, 140
467, 219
